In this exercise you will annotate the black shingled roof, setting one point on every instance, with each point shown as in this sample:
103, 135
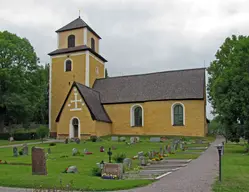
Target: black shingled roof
77, 24
168, 85
92, 101
75, 49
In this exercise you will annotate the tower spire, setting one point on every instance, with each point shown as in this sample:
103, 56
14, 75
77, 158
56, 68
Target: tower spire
79, 13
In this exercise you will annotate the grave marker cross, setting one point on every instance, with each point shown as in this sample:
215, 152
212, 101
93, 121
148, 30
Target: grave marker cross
110, 155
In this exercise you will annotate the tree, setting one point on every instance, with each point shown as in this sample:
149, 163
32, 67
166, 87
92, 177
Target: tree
18, 73
42, 132
228, 86
106, 73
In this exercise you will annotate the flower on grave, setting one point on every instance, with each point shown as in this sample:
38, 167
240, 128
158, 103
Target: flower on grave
165, 155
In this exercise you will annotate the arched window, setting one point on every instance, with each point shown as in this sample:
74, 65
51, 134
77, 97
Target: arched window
71, 41
93, 44
178, 114
75, 124
137, 116
68, 65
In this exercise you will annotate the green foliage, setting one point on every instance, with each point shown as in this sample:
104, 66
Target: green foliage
96, 172
228, 86
23, 83
119, 157
20, 152
93, 138
52, 144
106, 73
42, 132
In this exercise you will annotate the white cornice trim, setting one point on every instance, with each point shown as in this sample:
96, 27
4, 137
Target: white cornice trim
70, 54
87, 69
93, 56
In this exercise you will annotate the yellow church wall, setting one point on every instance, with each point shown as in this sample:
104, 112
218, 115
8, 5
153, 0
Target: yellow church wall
61, 79
96, 39
93, 63
87, 125
102, 128
157, 119
63, 37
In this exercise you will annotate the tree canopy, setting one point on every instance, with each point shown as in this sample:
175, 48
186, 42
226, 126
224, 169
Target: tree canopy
23, 82
228, 86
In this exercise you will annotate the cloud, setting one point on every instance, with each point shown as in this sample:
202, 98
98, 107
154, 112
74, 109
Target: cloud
138, 36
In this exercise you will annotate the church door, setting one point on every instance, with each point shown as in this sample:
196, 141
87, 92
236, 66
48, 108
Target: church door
75, 123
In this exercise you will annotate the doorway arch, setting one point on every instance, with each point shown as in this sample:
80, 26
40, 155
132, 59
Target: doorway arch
74, 128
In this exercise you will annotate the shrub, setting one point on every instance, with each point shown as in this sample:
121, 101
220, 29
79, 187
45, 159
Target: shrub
96, 171
52, 144
93, 138
20, 152
42, 132
119, 157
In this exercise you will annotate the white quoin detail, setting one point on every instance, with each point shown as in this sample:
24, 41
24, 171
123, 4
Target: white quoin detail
76, 101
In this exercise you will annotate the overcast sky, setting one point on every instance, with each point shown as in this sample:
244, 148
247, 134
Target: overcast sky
138, 36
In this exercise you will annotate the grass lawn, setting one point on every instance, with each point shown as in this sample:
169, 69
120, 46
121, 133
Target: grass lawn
235, 170
21, 176
6, 142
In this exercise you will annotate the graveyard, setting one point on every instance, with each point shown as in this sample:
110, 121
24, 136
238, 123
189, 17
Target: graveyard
83, 156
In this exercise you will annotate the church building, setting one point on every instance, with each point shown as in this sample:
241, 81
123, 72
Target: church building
83, 103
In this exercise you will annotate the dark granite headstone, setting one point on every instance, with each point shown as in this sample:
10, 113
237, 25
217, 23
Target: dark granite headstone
38, 161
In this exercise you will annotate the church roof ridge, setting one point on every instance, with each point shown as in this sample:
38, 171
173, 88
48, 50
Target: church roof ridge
152, 73
77, 24
182, 84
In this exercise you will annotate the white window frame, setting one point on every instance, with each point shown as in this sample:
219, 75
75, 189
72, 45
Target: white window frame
71, 128
132, 115
172, 113
65, 64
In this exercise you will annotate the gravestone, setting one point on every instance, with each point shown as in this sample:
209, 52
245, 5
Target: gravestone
11, 139
85, 151
38, 161
139, 154
74, 151
122, 139
150, 155
72, 169
142, 161
137, 139
77, 140
102, 149
127, 163
66, 141
114, 138
169, 149
198, 141
114, 169
181, 146
15, 152
25, 149
165, 149
49, 151
155, 139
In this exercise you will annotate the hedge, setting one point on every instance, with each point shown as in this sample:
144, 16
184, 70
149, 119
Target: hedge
19, 136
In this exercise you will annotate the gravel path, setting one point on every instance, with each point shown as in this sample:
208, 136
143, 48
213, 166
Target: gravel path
197, 176
34, 143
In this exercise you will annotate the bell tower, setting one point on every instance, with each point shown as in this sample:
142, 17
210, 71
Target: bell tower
77, 59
